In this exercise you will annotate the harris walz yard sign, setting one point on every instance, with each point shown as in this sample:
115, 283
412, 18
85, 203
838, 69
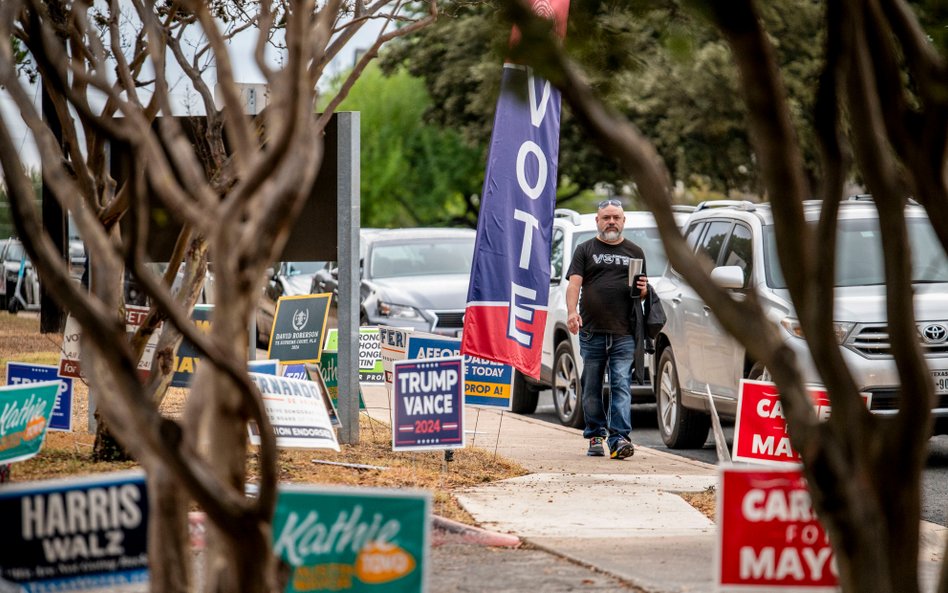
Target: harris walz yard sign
69, 535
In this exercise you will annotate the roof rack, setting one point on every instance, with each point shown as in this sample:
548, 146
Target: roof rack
682, 208
569, 213
745, 205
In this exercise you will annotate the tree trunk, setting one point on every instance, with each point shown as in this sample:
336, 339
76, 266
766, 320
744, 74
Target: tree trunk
169, 560
106, 447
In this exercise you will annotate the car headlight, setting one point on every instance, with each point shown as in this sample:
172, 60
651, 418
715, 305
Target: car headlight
399, 311
840, 328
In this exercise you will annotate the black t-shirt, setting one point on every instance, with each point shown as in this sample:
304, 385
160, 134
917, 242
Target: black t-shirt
605, 304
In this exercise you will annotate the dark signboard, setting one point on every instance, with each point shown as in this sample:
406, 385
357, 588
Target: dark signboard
299, 326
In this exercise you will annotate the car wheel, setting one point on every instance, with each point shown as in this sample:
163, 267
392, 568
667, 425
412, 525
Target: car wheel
523, 396
759, 372
567, 387
680, 427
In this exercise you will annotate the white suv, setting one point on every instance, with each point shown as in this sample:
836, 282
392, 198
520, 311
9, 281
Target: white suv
561, 366
693, 351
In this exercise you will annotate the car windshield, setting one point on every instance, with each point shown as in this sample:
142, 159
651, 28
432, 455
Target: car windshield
646, 238
303, 267
427, 257
14, 252
859, 254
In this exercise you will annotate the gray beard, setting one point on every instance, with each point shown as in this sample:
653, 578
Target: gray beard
610, 235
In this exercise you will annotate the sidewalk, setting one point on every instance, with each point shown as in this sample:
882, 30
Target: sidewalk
621, 517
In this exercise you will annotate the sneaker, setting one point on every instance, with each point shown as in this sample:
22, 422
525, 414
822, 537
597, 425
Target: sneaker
595, 447
622, 449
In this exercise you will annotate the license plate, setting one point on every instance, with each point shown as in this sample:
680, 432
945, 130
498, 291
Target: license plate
941, 382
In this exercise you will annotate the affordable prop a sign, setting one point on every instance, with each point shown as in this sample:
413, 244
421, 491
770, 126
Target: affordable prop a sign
68, 535
487, 384
297, 412
427, 406
770, 538
357, 540
21, 373
24, 418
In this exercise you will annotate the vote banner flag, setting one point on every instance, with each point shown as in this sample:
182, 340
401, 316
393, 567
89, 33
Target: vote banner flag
427, 405
510, 277
769, 537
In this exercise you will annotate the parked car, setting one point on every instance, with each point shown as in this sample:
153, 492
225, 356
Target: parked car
21, 290
561, 366
737, 238
415, 278
285, 279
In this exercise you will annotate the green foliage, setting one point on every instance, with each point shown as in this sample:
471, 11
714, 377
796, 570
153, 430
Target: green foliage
6, 218
660, 64
412, 173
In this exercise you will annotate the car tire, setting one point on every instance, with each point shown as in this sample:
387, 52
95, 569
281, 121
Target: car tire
680, 427
567, 387
523, 396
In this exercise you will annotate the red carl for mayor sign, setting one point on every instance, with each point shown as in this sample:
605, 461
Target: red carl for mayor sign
770, 538
760, 430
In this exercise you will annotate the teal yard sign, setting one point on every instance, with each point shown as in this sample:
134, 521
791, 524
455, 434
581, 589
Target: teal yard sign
25, 411
353, 539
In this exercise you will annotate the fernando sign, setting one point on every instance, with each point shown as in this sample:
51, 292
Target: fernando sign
769, 536
297, 412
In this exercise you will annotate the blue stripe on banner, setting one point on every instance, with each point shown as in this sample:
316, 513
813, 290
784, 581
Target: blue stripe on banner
511, 270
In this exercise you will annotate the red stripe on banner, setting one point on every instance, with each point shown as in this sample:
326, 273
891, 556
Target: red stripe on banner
483, 324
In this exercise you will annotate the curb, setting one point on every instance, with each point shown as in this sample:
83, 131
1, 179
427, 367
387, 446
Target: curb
449, 531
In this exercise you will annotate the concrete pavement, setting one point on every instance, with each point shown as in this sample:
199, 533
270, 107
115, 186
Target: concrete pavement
624, 518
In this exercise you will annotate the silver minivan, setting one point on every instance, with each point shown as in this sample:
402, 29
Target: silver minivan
694, 353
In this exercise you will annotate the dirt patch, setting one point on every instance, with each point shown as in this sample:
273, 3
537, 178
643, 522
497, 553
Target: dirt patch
70, 453
705, 501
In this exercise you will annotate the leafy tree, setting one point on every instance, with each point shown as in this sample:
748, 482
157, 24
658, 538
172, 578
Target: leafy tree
234, 186
881, 109
650, 59
413, 173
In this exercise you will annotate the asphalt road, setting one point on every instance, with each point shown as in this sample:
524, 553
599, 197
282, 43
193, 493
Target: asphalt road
645, 432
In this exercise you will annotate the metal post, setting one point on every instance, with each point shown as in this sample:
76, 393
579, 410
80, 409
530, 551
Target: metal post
348, 212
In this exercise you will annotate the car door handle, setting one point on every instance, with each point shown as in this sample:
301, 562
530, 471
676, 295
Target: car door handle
706, 308
676, 299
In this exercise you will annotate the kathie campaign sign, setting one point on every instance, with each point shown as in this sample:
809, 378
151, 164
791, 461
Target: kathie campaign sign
298, 327
25, 411
427, 405
770, 537
69, 535
353, 539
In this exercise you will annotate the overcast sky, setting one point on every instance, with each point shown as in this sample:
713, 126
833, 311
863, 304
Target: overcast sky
184, 99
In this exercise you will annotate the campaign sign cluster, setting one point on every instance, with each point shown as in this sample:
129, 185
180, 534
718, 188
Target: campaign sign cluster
79, 534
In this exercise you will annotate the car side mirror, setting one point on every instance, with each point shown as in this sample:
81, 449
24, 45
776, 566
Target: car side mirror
334, 273
728, 277
554, 277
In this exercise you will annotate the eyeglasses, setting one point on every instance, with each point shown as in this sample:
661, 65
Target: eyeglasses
610, 202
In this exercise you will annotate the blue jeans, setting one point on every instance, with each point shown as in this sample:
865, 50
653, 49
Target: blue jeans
599, 350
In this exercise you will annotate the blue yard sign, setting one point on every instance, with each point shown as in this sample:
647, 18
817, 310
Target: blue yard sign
21, 373
69, 535
487, 384
428, 404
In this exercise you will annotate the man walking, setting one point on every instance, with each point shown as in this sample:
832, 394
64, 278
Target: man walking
600, 267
